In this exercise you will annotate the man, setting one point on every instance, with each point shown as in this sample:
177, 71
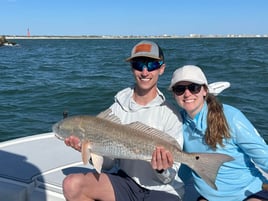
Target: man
136, 180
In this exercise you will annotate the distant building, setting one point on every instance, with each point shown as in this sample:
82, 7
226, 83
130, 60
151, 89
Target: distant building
28, 32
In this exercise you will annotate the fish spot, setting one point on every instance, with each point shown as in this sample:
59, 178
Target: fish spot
197, 157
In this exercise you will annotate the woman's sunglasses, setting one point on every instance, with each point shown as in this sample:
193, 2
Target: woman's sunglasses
150, 65
180, 89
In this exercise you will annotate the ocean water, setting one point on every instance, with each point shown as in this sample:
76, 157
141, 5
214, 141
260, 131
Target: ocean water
40, 79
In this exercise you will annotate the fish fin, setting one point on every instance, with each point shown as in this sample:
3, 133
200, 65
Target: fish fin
85, 152
207, 166
104, 113
97, 162
155, 133
107, 114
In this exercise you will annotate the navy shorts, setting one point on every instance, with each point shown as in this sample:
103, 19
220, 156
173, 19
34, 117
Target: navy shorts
263, 195
126, 189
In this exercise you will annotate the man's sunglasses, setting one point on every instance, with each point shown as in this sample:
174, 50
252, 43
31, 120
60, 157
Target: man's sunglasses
180, 89
150, 65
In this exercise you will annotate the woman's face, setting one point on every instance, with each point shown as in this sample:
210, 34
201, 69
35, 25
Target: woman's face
192, 99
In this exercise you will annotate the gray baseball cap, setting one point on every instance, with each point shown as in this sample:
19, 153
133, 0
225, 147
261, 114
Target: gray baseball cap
146, 48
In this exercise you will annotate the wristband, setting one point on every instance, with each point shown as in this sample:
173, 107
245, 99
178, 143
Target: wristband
160, 171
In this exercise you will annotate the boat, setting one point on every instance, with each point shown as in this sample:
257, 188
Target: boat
4, 42
10, 44
33, 168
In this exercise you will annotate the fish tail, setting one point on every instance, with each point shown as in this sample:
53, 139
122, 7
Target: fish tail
207, 166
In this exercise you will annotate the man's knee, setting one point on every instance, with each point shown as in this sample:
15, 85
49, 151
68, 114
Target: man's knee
71, 185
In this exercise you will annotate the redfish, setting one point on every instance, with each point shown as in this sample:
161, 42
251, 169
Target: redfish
104, 135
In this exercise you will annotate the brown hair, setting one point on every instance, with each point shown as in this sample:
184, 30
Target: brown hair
217, 126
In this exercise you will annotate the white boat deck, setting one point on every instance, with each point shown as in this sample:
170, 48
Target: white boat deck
34, 167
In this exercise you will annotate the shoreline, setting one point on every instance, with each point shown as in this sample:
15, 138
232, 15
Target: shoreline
136, 37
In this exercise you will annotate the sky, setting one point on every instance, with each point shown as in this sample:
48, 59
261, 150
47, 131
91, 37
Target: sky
133, 17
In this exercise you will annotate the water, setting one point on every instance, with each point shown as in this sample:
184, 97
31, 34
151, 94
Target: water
42, 78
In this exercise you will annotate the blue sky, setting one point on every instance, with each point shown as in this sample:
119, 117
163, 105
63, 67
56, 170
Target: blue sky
133, 17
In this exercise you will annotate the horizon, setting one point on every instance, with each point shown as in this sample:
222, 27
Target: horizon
133, 36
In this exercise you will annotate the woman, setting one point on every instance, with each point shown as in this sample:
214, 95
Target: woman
209, 126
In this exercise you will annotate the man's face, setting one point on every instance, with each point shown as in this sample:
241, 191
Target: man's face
146, 72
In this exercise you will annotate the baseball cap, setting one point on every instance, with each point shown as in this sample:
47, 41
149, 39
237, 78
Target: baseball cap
146, 48
188, 73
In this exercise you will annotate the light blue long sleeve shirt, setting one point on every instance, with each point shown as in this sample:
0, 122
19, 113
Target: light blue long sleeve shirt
236, 179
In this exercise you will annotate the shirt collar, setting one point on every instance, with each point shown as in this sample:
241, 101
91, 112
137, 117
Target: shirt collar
125, 99
198, 124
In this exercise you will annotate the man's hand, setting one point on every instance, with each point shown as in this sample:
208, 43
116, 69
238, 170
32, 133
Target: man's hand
162, 159
73, 142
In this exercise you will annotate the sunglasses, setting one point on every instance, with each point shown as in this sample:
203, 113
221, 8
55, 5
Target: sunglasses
150, 65
180, 89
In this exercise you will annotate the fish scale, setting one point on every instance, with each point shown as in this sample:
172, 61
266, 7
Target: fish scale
105, 141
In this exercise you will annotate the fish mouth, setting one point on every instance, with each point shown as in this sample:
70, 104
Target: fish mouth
59, 137
55, 130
